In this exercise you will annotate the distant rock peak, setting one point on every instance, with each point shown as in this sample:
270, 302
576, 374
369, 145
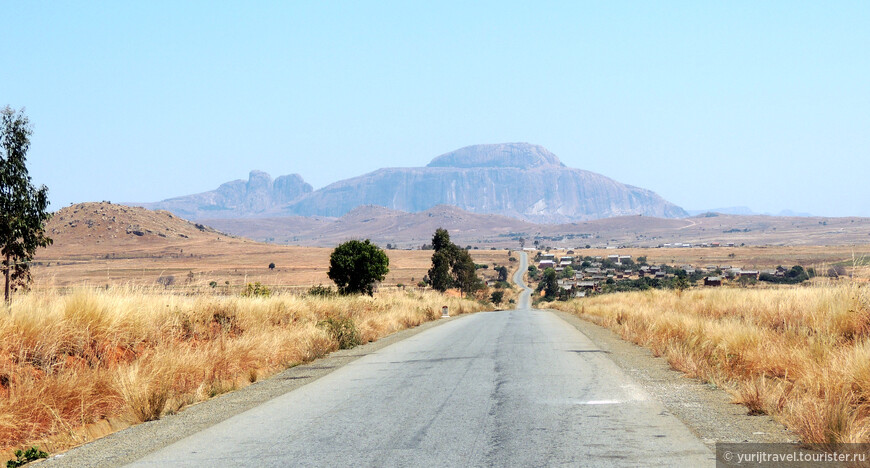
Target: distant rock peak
517, 155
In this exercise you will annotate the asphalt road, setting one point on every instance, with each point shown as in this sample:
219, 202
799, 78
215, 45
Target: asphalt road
512, 388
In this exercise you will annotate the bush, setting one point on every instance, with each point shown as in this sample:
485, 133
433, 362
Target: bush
24, 457
355, 266
256, 290
321, 290
497, 297
342, 330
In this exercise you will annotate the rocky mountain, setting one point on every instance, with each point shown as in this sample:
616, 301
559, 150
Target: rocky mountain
239, 198
518, 180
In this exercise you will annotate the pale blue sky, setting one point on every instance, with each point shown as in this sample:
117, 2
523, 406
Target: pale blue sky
710, 104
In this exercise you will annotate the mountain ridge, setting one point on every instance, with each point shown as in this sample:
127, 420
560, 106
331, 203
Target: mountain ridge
518, 180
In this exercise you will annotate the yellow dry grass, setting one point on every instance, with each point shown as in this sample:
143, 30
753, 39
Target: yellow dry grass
801, 354
99, 356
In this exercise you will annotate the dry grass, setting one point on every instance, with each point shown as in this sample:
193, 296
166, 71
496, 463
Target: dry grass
71, 360
194, 263
801, 354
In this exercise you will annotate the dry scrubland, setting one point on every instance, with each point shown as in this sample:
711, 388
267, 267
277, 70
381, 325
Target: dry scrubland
801, 354
74, 366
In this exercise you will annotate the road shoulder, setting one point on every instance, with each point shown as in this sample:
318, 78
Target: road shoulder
133, 443
705, 409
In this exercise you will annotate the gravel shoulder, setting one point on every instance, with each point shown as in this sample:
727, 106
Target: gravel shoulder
135, 442
704, 408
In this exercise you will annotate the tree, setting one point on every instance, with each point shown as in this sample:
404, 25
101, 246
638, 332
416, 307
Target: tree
272, 266
23, 207
441, 240
502, 273
496, 297
452, 266
439, 274
355, 266
550, 284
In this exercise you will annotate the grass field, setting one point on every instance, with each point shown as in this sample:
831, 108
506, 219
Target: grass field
77, 365
801, 354
195, 264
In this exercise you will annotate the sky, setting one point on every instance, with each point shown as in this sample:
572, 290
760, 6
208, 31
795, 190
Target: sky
709, 104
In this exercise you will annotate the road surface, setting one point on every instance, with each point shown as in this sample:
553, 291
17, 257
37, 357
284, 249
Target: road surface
512, 388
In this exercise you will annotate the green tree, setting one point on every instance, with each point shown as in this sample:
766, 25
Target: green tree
464, 273
355, 266
23, 207
452, 266
496, 297
439, 274
441, 240
502, 273
549, 284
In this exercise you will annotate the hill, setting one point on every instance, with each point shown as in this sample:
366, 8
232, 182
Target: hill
103, 244
82, 228
518, 180
381, 225
406, 230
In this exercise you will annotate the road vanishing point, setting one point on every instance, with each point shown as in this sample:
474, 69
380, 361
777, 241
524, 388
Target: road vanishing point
509, 388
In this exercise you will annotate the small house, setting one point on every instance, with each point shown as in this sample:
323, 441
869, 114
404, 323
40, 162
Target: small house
713, 281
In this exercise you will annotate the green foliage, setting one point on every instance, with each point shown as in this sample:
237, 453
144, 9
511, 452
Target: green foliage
439, 274
795, 275
452, 266
272, 266
549, 284
746, 280
343, 330
212, 284
23, 207
568, 272
441, 240
680, 282
355, 266
641, 260
502, 273
321, 290
256, 290
496, 297
23, 457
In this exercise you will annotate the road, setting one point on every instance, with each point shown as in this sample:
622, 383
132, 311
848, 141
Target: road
512, 388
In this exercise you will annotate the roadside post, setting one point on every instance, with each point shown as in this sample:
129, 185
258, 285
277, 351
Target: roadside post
444, 313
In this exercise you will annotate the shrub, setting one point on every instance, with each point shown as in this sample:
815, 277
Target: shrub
256, 290
23, 457
321, 290
355, 266
342, 330
497, 297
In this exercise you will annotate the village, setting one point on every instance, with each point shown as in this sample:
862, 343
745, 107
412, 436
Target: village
580, 276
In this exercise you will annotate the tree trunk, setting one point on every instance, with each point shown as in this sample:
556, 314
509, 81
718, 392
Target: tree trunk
8, 271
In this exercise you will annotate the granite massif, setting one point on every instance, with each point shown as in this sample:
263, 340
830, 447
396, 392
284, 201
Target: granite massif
518, 180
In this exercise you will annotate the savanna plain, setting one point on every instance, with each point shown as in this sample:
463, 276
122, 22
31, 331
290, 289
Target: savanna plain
104, 339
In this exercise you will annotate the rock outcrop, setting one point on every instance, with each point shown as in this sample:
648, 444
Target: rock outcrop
239, 198
515, 179
519, 180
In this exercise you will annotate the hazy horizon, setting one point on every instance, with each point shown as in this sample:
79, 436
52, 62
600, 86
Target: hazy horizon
709, 105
